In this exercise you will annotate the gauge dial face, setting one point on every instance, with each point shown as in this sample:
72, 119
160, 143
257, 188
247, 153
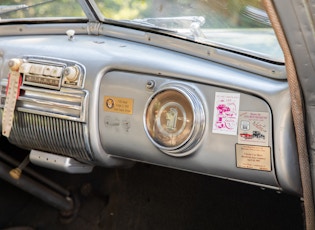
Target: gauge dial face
170, 119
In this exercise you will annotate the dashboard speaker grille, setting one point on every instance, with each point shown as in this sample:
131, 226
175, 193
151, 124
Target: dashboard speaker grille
50, 134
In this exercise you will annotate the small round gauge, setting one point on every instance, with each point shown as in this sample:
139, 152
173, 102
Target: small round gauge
174, 120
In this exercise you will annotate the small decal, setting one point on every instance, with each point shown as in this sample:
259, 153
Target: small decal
112, 122
118, 105
253, 157
253, 128
225, 117
109, 103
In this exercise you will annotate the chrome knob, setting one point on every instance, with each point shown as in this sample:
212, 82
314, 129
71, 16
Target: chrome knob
71, 73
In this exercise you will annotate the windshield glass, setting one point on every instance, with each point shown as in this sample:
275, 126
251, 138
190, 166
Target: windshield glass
12, 10
241, 25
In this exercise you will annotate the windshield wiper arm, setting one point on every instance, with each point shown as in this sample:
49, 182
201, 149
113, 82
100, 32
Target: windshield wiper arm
10, 8
13, 8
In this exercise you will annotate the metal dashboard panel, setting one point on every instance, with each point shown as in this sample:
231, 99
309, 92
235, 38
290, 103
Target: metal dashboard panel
215, 154
123, 134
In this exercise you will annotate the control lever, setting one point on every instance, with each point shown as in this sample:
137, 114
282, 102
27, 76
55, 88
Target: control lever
40, 187
17, 172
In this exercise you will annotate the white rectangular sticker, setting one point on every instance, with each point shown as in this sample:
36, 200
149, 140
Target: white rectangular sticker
253, 128
225, 117
253, 157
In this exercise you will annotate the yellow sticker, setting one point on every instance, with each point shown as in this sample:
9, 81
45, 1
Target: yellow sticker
118, 105
253, 157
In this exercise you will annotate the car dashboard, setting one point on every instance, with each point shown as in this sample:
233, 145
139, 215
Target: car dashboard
116, 97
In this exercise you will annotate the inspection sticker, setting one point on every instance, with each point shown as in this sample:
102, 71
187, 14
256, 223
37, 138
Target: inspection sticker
118, 105
225, 115
253, 157
253, 128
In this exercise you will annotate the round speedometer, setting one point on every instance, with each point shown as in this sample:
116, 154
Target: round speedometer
174, 120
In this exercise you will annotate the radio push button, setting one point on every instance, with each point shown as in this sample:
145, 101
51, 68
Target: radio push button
37, 69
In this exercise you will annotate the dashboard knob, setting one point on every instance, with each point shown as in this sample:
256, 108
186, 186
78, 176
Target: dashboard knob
70, 34
71, 73
14, 64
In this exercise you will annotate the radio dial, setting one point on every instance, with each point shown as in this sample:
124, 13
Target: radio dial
71, 73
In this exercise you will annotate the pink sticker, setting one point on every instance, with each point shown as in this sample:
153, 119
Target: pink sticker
225, 117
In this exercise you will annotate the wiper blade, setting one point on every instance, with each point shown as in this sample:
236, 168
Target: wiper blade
173, 22
145, 24
7, 9
189, 24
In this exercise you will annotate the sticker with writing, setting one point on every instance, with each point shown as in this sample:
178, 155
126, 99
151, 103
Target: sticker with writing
118, 105
225, 117
253, 128
253, 157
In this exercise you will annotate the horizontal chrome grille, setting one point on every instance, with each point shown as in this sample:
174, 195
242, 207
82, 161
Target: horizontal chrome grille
68, 104
50, 134
51, 121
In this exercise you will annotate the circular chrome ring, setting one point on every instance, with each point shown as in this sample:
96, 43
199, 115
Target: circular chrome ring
174, 120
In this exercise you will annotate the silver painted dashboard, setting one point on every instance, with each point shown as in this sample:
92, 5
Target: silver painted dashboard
131, 74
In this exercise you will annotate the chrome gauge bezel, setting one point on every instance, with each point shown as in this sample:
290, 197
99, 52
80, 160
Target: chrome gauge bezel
189, 144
